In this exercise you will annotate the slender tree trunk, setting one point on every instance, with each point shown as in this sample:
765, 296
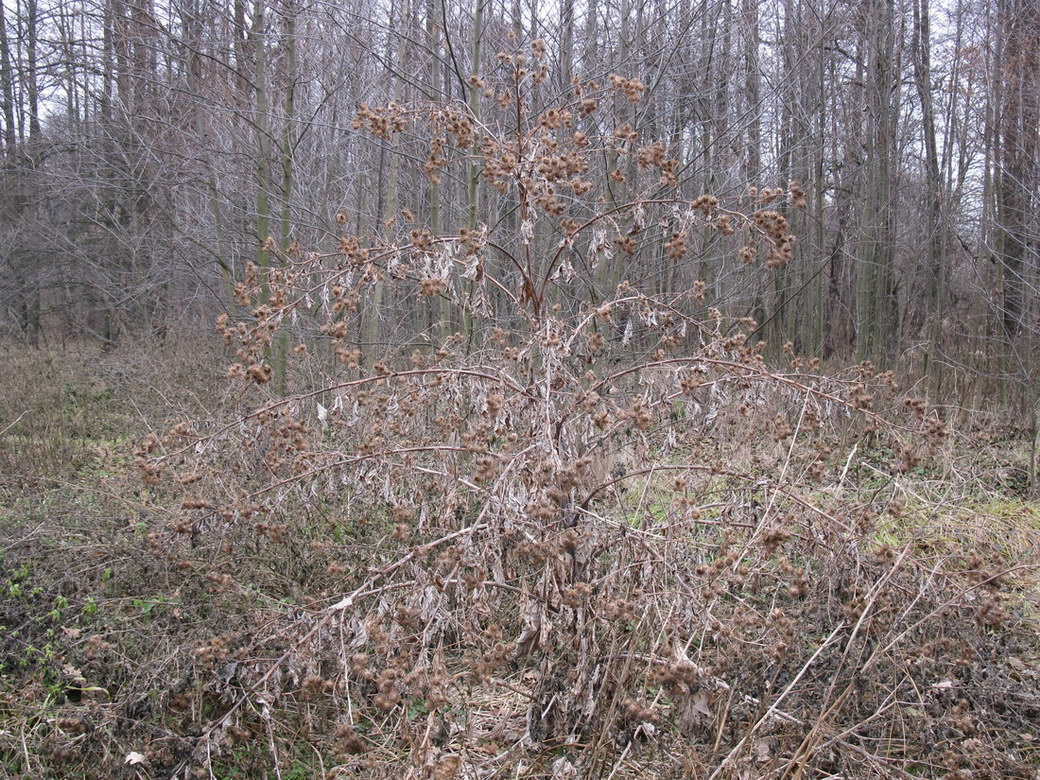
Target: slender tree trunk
936, 230
7, 76
877, 309
473, 168
434, 28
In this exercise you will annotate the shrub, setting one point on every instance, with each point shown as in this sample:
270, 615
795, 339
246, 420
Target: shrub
586, 527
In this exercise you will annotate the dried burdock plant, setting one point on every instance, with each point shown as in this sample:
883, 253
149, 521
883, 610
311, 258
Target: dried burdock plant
593, 515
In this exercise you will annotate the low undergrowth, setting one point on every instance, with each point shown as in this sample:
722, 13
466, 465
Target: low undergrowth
698, 595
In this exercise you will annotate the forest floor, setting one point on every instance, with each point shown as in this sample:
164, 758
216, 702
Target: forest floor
120, 657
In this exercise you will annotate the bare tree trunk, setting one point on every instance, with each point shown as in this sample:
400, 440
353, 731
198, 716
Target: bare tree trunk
7, 76
877, 309
473, 168
1016, 177
936, 229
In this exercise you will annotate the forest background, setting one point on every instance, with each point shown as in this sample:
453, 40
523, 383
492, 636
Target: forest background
597, 389
150, 150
